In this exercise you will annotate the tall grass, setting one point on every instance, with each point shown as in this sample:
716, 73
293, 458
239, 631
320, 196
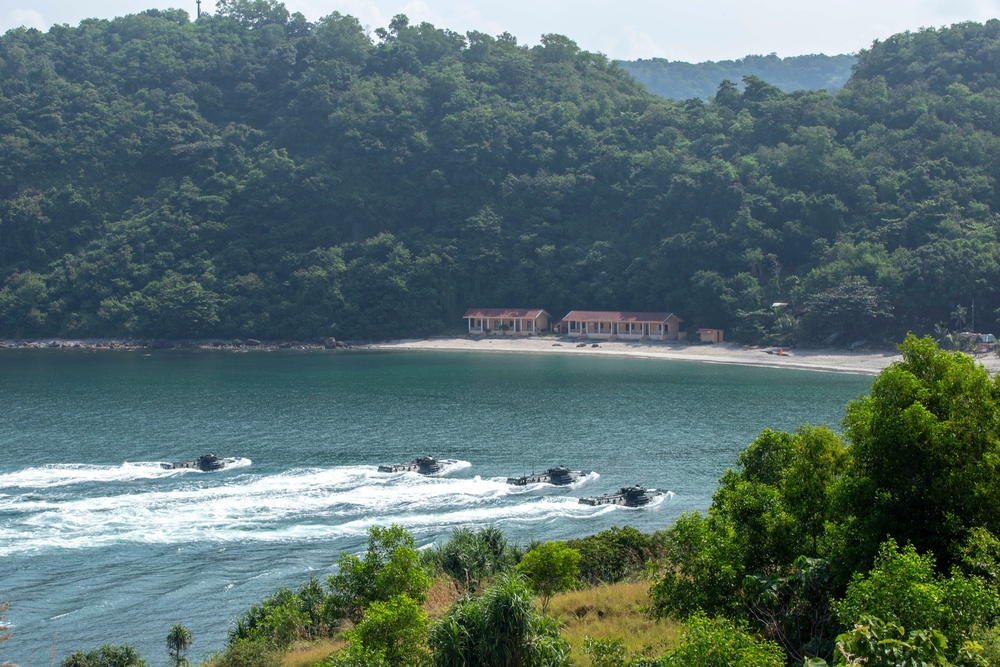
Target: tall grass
614, 610
311, 653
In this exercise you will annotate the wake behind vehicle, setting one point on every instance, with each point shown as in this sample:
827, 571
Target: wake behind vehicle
205, 463
629, 496
560, 476
425, 465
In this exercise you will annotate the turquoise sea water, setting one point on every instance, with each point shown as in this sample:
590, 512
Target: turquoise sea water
99, 544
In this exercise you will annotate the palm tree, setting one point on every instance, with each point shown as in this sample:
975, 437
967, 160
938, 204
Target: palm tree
178, 642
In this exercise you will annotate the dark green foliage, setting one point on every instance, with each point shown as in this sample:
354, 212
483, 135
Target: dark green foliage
793, 607
252, 174
926, 456
285, 617
616, 554
108, 655
474, 556
500, 628
794, 543
764, 515
707, 642
904, 589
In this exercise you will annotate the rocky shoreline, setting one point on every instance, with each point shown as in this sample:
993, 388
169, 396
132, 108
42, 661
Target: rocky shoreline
235, 344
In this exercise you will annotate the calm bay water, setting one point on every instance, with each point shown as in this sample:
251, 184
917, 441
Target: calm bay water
99, 544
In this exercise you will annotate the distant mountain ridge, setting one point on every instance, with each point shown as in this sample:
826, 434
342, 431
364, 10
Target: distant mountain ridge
678, 80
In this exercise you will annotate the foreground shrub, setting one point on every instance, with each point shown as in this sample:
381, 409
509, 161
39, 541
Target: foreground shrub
277, 621
874, 643
106, 656
616, 554
903, 591
718, 642
395, 631
500, 628
249, 653
472, 557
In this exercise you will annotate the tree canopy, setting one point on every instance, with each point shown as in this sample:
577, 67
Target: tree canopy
254, 174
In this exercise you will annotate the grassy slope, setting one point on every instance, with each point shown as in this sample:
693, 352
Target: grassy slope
614, 611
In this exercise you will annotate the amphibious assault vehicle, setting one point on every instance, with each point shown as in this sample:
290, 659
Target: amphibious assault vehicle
629, 496
205, 463
559, 476
425, 465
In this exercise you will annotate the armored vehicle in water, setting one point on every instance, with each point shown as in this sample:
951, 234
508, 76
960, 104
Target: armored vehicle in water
425, 465
205, 463
559, 476
629, 496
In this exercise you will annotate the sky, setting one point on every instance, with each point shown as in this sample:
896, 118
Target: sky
686, 30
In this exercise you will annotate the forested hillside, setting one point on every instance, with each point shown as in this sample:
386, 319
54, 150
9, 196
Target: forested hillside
678, 80
251, 173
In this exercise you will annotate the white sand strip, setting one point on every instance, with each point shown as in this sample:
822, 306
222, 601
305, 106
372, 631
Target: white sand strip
825, 359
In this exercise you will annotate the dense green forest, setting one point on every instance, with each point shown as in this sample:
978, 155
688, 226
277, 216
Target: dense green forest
253, 174
877, 547
678, 80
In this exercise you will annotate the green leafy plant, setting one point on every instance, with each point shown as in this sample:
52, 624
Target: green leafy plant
550, 567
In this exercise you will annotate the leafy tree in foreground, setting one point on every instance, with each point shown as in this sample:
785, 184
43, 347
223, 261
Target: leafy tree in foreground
550, 567
178, 642
391, 566
925, 447
765, 514
500, 628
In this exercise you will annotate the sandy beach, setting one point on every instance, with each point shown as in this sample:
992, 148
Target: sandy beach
835, 360
868, 362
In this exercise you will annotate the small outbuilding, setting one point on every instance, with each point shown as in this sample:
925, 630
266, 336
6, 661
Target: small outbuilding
507, 321
711, 335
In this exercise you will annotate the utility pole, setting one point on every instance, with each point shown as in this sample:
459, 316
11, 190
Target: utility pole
198, 16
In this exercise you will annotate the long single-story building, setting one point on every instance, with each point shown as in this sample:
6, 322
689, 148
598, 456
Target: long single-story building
507, 321
623, 325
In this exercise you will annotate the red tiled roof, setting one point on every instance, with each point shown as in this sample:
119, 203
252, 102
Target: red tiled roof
517, 313
617, 316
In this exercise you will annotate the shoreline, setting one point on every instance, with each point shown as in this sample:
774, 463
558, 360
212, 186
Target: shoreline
867, 362
830, 360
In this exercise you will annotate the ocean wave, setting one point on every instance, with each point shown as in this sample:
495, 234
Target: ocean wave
66, 474
297, 504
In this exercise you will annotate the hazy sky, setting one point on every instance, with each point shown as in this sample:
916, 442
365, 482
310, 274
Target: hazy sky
690, 30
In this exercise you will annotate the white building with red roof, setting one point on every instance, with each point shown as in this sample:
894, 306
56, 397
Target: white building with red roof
507, 321
623, 325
